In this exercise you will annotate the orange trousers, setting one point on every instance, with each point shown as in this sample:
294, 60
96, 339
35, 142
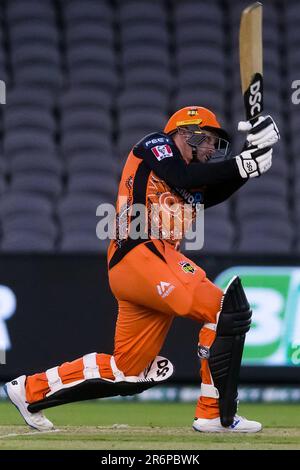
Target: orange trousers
153, 284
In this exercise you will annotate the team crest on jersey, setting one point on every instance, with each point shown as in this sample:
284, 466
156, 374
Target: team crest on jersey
187, 267
162, 151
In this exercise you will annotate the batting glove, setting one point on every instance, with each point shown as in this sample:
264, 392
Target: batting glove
263, 133
254, 162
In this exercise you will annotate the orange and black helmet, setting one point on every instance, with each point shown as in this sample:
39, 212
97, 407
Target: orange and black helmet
194, 115
198, 119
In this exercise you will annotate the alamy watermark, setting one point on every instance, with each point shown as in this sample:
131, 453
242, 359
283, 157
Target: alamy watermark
2, 92
2, 357
172, 222
295, 97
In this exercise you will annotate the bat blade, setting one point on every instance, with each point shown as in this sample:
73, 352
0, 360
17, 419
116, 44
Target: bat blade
251, 59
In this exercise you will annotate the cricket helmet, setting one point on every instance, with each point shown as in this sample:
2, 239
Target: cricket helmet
197, 120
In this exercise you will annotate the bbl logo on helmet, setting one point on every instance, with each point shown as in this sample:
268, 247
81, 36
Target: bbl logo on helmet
187, 267
193, 112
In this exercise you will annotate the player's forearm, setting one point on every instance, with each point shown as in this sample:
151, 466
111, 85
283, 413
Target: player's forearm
215, 195
199, 174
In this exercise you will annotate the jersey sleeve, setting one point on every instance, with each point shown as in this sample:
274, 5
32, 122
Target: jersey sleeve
161, 155
215, 194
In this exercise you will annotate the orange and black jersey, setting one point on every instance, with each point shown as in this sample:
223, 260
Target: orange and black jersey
156, 174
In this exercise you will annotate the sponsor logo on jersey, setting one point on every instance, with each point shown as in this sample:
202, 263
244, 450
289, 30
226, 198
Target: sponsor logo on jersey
157, 140
162, 151
164, 288
187, 267
196, 199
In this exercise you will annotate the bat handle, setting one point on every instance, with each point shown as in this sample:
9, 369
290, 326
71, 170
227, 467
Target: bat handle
254, 119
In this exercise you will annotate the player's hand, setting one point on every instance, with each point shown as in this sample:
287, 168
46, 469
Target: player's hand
253, 162
263, 133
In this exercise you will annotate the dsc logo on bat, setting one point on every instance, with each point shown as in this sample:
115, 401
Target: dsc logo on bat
255, 98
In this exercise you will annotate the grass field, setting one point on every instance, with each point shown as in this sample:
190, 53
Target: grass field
126, 425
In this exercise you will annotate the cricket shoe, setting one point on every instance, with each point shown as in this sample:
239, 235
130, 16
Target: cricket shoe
239, 424
15, 390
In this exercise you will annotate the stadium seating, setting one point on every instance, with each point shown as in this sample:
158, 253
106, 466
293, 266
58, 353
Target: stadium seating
87, 79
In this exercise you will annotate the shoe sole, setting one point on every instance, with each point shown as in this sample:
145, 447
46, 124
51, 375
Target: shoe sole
225, 430
19, 410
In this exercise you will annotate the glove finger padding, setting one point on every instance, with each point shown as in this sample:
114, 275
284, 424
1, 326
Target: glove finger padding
263, 133
259, 135
247, 126
264, 156
265, 138
261, 124
265, 165
253, 162
244, 126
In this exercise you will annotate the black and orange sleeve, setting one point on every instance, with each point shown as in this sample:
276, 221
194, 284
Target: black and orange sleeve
161, 155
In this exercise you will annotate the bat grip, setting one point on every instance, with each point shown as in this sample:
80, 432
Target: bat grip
254, 119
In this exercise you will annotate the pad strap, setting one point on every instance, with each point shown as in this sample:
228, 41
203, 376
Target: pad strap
209, 391
118, 374
54, 380
91, 369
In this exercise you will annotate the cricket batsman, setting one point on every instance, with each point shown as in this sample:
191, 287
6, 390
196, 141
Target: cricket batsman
186, 164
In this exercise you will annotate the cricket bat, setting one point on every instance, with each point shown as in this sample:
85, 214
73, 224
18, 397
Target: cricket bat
251, 59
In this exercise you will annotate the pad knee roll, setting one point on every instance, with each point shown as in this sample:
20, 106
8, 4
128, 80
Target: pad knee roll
235, 315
